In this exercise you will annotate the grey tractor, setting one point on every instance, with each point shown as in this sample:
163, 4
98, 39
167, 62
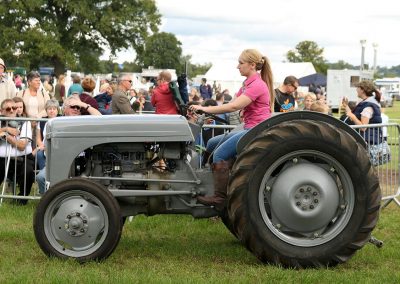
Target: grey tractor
302, 191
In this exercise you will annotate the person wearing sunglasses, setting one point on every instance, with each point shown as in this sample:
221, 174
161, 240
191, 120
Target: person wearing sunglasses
7, 86
73, 106
284, 95
121, 100
16, 147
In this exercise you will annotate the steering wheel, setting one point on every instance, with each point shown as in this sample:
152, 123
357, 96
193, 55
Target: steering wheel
207, 115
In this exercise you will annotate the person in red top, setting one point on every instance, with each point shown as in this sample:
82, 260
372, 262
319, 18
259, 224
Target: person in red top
162, 98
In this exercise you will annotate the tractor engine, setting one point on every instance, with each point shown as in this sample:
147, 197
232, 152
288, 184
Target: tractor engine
129, 165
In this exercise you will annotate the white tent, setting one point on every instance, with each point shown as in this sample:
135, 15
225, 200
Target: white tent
227, 74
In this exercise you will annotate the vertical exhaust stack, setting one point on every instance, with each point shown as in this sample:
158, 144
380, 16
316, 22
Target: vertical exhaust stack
375, 46
363, 43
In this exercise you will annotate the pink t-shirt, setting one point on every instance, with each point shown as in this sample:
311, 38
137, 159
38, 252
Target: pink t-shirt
259, 109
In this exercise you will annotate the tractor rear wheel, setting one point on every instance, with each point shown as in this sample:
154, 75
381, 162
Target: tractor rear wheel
304, 194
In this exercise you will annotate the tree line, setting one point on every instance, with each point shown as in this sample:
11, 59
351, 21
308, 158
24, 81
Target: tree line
74, 34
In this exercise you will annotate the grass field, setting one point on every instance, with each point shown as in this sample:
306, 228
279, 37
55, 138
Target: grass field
180, 249
394, 112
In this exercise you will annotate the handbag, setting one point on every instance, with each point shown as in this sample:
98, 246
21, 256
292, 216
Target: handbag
379, 154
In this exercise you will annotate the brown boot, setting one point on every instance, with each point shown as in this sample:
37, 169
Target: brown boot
221, 178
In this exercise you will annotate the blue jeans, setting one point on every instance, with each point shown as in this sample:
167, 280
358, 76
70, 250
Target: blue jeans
41, 159
227, 145
41, 180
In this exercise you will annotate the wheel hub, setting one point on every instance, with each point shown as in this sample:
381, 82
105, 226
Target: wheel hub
307, 197
304, 198
76, 224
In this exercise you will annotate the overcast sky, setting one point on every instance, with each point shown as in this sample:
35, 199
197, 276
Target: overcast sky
212, 30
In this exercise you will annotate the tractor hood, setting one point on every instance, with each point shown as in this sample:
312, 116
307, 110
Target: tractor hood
140, 128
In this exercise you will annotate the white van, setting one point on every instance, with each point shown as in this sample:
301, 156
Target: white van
342, 83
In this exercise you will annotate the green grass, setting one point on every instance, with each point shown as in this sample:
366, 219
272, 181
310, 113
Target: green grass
393, 112
180, 249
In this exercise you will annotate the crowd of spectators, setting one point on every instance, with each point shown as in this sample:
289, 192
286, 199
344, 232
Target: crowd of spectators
42, 98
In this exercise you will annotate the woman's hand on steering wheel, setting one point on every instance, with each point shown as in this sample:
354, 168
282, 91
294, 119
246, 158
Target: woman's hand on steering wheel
203, 110
197, 108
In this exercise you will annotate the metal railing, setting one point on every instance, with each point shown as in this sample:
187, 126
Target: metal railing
383, 148
17, 163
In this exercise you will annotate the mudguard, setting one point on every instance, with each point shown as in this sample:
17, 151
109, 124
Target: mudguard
296, 115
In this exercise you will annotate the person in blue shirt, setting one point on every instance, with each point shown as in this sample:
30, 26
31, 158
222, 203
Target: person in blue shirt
104, 99
205, 89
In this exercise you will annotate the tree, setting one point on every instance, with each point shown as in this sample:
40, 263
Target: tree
131, 67
106, 66
393, 71
64, 33
199, 69
162, 51
308, 51
341, 65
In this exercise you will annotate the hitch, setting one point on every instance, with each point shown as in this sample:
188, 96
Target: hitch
376, 242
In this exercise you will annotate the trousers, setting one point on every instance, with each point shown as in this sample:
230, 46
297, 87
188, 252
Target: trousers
22, 170
224, 145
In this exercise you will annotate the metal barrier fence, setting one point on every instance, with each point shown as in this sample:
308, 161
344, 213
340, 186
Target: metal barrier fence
17, 162
383, 148
17, 169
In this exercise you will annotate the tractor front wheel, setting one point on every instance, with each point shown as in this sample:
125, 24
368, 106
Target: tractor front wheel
78, 219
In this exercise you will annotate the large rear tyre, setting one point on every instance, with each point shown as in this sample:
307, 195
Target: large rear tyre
304, 194
78, 218
227, 221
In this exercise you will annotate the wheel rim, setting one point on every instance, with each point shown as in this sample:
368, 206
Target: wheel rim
76, 223
306, 198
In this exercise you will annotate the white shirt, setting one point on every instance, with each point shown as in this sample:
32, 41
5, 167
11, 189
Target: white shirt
25, 133
368, 112
33, 106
